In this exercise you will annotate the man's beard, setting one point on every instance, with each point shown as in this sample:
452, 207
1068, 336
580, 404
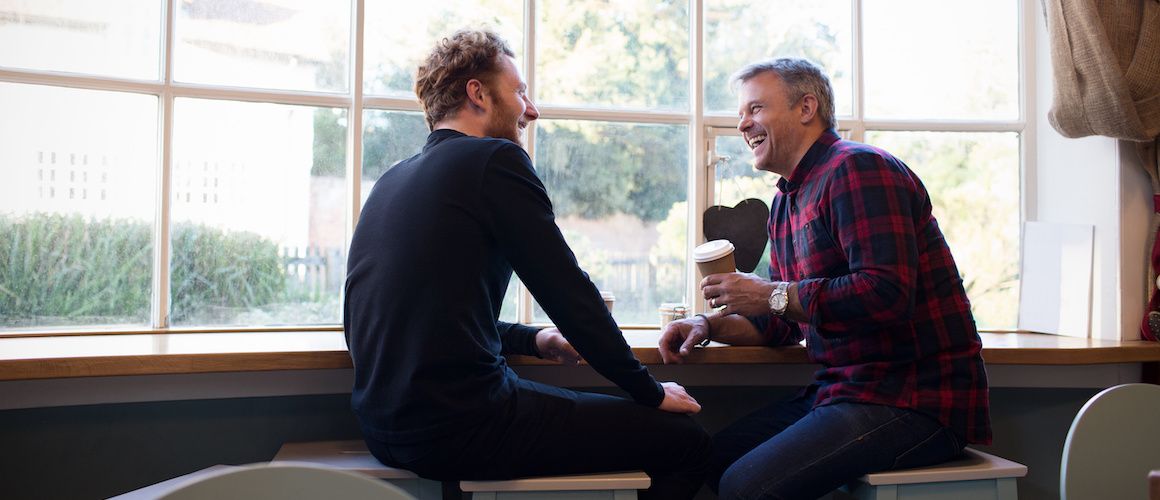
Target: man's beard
504, 128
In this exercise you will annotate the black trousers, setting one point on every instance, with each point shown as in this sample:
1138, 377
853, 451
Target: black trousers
544, 430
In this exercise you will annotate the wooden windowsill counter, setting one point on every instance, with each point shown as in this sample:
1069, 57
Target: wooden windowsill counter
49, 357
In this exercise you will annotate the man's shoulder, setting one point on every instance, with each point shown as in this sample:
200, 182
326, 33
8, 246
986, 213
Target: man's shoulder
491, 148
845, 156
463, 140
845, 149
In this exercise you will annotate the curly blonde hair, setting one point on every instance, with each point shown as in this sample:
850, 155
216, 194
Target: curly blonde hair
441, 82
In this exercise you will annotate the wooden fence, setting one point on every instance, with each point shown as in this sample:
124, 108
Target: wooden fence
314, 270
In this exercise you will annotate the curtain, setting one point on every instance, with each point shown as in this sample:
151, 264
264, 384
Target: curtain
1106, 69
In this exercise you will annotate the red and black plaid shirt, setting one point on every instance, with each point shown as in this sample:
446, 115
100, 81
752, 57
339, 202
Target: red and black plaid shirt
889, 320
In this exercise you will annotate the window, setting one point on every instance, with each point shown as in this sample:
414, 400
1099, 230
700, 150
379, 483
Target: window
77, 215
948, 106
210, 178
613, 186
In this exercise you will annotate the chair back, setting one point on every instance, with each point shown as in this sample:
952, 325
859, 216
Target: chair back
285, 481
1112, 444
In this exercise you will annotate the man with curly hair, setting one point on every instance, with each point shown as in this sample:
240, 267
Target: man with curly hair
429, 263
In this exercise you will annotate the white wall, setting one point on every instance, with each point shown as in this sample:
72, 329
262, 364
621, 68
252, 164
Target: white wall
1135, 226
1094, 180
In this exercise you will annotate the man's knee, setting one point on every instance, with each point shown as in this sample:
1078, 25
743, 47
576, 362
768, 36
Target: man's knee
735, 483
695, 440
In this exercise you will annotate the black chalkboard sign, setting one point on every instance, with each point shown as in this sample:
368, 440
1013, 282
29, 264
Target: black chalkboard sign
744, 225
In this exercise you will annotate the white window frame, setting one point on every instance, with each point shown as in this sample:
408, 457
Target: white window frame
703, 127
855, 126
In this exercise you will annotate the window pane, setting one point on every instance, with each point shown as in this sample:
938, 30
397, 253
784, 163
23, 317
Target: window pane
121, 39
77, 191
738, 32
508, 311
400, 33
945, 60
973, 180
388, 138
737, 180
257, 205
620, 197
277, 44
631, 53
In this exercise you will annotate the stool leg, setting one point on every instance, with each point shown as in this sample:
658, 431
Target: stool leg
624, 495
886, 492
1006, 489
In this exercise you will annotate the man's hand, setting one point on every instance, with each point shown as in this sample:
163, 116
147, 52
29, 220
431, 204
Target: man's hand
679, 338
677, 400
740, 293
552, 345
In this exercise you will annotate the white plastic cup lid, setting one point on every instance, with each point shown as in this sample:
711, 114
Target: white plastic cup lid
712, 250
607, 296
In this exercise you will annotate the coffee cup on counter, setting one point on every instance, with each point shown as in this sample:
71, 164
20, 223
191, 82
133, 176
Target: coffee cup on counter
609, 299
715, 257
672, 311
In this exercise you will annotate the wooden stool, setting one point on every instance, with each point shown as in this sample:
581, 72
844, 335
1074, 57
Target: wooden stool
353, 456
977, 475
612, 486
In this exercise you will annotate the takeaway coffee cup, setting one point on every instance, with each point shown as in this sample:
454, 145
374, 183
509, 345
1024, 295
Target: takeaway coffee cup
671, 311
609, 299
715, 257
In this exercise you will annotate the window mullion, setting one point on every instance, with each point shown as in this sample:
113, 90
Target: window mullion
524, 309
354, 144
699, 146
858, 125
936, 125
556, 112
1027, 136
161, 237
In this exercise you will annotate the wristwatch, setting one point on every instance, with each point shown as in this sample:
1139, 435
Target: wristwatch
779, 299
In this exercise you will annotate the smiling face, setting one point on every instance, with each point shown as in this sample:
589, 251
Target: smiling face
512, 110
776, 131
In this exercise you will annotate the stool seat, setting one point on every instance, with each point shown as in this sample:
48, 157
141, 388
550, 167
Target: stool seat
633, 480
974, 476
353, 456
613, 485
974, 465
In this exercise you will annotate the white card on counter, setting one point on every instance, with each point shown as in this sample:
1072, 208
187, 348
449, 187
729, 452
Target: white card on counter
1056, 279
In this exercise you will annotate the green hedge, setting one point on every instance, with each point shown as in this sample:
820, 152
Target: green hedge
63, 269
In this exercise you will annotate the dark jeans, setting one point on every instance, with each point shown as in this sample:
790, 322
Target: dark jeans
545, 430
789, 451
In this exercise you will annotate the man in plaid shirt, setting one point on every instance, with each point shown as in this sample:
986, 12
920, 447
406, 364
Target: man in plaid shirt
859, 269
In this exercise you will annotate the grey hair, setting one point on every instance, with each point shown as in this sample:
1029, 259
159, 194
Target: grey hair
800, 77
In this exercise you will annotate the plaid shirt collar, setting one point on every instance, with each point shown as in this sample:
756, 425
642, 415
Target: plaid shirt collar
802, 171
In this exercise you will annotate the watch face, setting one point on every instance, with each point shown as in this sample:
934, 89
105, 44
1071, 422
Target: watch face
779, 299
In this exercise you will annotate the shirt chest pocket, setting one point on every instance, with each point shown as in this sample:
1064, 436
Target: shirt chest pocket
818, 255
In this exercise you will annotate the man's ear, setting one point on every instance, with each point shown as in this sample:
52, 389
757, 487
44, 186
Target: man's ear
809, 105
475, 94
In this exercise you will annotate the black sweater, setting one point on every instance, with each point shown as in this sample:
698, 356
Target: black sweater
429, 264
